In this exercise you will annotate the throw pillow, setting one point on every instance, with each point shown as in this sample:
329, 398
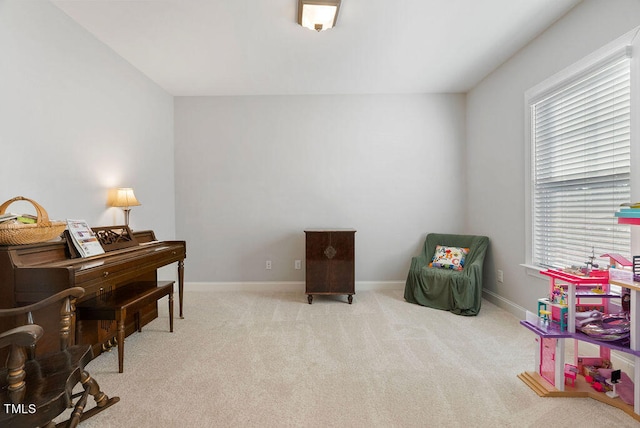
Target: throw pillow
449, 257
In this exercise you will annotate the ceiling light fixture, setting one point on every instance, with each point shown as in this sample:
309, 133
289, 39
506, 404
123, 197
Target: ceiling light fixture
318, 15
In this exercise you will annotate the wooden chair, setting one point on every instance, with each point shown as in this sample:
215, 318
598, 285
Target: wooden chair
36, 390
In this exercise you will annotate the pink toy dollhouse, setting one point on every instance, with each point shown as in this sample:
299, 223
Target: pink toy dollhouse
584, 296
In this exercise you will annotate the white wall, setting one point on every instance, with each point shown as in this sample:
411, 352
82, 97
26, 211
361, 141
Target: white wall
495, 136
76, 119
253, 172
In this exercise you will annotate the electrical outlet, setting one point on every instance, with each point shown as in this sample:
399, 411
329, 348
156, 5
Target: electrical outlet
268, 265
500, 276
297, 264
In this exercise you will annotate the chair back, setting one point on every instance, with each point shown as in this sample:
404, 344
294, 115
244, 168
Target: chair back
44, 384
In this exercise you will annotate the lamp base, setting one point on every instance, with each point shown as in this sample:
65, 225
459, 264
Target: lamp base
126, 215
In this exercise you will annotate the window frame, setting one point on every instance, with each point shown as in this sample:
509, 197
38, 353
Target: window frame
629, 44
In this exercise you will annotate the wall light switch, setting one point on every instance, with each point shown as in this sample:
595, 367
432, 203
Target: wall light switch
297, 265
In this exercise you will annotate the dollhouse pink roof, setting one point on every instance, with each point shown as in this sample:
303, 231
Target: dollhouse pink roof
621, 260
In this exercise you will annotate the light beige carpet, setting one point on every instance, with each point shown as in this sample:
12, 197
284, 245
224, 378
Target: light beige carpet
251, 359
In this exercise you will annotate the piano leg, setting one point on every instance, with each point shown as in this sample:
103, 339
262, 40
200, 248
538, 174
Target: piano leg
181, 284
120, 317
171, 312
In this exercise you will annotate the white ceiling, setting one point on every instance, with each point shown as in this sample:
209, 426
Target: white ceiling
255, 47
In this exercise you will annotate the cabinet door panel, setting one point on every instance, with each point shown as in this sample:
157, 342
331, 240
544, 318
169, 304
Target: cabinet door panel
317, 276
341, 277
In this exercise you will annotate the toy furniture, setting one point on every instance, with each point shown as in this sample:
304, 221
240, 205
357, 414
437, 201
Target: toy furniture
458, 291
554, 312
570, 372
615, 378
544, 313
550, 376
36, 390
617, 261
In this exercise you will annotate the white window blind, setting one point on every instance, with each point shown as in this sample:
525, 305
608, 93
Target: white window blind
581, 166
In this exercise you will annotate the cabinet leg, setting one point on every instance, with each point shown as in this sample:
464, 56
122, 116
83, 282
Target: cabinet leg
350, 298
310, 298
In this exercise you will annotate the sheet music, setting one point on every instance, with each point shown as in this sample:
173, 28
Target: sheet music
83, 238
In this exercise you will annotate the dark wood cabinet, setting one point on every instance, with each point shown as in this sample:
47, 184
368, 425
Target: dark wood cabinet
330, 262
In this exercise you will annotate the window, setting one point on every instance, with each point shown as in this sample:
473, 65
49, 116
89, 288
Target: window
580, 164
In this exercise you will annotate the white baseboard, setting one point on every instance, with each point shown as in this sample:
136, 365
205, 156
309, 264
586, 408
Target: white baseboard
288, 286
506, 304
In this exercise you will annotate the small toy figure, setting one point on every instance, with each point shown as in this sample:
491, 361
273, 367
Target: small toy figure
626, 300
558, 296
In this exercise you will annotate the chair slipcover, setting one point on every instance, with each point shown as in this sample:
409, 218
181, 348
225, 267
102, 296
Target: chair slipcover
457, 291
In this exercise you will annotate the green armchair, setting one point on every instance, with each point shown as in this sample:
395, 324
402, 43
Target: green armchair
458, 291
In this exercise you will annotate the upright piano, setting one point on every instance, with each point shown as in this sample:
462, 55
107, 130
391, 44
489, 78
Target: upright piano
29, 273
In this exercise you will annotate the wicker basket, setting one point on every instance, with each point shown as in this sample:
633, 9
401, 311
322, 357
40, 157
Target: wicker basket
42, 230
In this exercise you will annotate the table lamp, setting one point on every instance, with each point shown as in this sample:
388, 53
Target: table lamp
125, 199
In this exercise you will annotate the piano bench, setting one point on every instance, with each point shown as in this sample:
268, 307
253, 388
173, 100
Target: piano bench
127, 299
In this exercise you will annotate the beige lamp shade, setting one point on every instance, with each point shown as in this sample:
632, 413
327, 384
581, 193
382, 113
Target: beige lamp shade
124, 198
